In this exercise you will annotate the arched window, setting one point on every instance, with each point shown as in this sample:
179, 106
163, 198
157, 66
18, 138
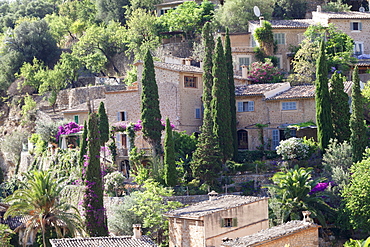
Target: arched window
242, 139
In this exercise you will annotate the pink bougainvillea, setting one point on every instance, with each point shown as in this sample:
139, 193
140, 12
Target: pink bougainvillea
69, 128
264, 73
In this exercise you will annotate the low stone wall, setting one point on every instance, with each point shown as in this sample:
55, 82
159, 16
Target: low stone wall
75, 96
260, 178
186, 200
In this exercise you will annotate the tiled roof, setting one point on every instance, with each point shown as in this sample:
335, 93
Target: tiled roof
178, 67
301, 91
121, 241
298, 23
211, 206
269, 234
345, 15
256, 89
83, 107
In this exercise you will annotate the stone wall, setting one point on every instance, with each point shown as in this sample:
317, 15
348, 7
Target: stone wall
186, 200
185, 232
70, 98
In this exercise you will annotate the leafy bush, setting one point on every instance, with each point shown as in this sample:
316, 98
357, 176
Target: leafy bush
250, 156
113, 182
293, 148
264, 72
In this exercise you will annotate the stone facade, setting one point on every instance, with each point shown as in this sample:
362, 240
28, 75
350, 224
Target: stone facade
208, 222
303, 238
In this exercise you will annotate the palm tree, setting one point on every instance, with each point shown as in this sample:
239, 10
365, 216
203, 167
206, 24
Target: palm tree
292, 189
39, 200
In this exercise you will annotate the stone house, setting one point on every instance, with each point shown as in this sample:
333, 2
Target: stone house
293, 234
80, 113
276, 106
208, 222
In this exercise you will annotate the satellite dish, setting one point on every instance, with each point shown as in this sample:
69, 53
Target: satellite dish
362, 9
256, 11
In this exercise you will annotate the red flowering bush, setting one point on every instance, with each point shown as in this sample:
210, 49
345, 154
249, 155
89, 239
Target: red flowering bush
264, 72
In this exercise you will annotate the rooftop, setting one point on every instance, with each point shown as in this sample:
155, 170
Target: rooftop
211, 206
301, 91
175, 67
288, 228
121, 241
256, 89
83, 107
298, 23
344, 15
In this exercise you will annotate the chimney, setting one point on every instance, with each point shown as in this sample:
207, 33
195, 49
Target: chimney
244, 71
137, 231
187, 61
261, 20
306, 216
318, 8
212, 195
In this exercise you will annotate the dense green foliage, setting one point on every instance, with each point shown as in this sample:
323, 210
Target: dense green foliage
290, 9
83, 145
220, 103
103, 124
95, 218
339, 108
231, 83
265, 37
357, 123
323, 104
150, 113
170, 176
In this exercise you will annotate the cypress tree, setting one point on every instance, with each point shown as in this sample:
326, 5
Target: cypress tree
322, 98
230, 78
83, 145
150, 112
206, 163
357, 124
170, 176
103, 124
220, 103
339, 108
209, 45
95, 217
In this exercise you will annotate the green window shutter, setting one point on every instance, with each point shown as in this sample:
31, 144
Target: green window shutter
235, 222
76, 119
222, 223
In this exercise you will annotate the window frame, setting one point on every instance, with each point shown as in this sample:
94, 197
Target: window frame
358, 44
76, 119
359, 26
288, 106
229, 222
198, 113
280, 38
190, 84
121, 116
245, 106
239, 65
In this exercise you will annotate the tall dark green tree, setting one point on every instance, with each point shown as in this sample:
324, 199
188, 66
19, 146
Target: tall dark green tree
206, 163
150, 112
103, 124
230, 78
323, 106
83, 145
357, 123
95, 217
339, 108
220, 103
170, 174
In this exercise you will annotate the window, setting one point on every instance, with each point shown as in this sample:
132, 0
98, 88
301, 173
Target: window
190, 81
275, 138
279, 38
198, 113
242, 139
121, 116
243, 61
254, 43
75, 119
356, 26
286, 106
121, 140
279, 61
358, 48
229, 222
245, 106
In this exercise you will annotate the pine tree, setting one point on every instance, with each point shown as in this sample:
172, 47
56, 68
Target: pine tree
150, 112
206, 163
83, 145
340, 114
357, 124
95, 217
170, 174
209, 46
230, 77
103, 124
323, 108
220, 103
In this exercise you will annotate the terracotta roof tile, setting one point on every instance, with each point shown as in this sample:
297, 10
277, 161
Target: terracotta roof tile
178, 67
298, 23
344, 15
121, 241
302, 91
218, 204
256, 89
269, 234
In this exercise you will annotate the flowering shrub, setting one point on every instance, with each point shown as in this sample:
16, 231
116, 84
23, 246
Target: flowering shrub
260, 72
69, 128
122, 127
293, 148
319, 187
